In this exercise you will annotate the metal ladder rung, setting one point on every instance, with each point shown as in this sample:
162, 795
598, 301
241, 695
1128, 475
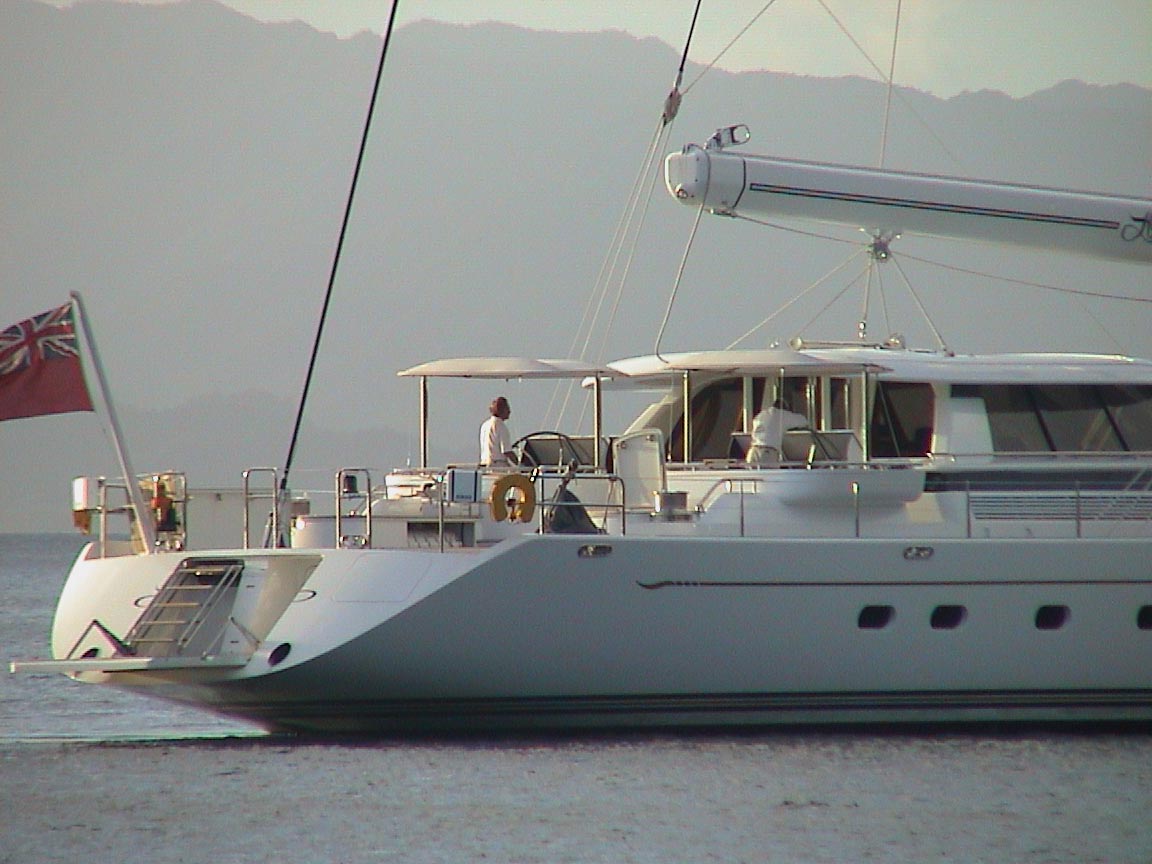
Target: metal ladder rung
192, 589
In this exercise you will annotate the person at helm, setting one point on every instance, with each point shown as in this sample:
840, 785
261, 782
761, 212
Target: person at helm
495, 439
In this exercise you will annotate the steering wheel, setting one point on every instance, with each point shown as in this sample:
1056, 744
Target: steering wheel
526, 459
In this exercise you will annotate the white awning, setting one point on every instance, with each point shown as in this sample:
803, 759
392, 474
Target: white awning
506, 368
759, 362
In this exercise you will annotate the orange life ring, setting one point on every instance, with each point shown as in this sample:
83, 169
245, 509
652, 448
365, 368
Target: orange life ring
522, 509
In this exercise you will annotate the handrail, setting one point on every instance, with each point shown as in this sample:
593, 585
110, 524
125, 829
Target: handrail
272, 535
105, 512
613, 480
347, 487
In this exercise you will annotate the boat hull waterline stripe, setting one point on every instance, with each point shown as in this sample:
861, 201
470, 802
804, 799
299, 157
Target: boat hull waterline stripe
695, 708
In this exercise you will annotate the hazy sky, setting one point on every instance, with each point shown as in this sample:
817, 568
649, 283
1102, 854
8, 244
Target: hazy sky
945, 46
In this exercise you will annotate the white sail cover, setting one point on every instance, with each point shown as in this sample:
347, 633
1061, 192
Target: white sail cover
894, 202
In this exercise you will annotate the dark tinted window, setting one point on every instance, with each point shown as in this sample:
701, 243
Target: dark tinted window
901, 419
1071, 418
875, 617
1013, 421
1051, 617
1076, 419
948, 617
1131, 410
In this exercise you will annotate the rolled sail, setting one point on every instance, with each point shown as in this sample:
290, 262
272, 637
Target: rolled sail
896, 202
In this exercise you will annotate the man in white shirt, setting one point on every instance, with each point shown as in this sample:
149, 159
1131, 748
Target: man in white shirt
768, 428
495, 440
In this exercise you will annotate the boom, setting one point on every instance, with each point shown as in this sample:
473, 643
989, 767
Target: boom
895, 202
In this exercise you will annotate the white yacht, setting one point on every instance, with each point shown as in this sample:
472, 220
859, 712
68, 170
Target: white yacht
943, 538
949, 538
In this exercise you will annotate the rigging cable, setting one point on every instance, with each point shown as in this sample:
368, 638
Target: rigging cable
883, 298
726, 48
1101, 295
779, 311
919, 305
891, 86
336, 258
611, 262
862, 324
606, 276
865, 273
679, 278
789, 229
907, 105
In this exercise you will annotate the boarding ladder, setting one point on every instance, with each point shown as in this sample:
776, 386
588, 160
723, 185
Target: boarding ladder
190, 611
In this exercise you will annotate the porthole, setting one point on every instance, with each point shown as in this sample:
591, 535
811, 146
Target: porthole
1051, 617
278, 654
1144, 618
948, 617
875, 617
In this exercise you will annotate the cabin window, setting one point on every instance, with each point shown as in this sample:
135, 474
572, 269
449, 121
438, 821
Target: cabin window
839, 404
1070, 418
901, 420
717, 411
948, 617
1144, 618
875, 617
1076, 419
1131, 411
1051, 617
1012, 419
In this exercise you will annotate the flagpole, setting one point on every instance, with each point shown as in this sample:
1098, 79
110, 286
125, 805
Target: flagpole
143, 516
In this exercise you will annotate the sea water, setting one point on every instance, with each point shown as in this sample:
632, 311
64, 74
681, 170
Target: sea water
89, 771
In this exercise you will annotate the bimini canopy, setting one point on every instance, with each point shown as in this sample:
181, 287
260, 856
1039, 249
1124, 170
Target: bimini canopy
756, 362
506, 368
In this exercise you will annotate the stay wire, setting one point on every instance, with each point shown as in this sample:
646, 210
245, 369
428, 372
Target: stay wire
920, 305
688, 41
886, 79
336, 257
862, 326
727, 47
791, 230
865, 273
782, 309
1100, 295
606, 275
620, 240
891, 86
679, 279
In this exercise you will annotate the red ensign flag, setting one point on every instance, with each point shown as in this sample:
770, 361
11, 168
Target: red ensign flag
40, 371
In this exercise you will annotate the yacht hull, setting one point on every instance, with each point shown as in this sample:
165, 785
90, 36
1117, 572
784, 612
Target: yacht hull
562, 632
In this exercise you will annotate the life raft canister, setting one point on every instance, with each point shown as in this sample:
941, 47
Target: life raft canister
522, 506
